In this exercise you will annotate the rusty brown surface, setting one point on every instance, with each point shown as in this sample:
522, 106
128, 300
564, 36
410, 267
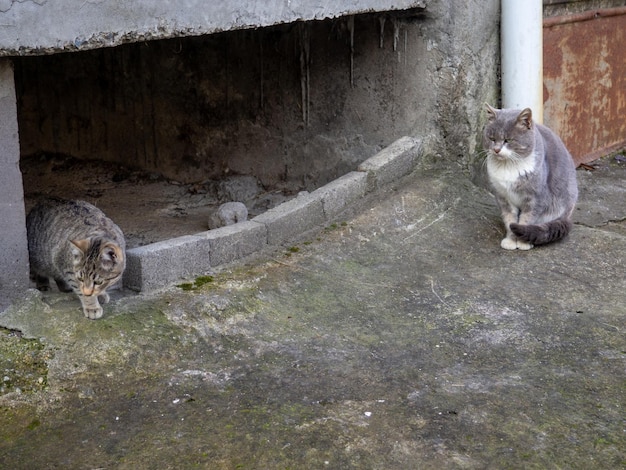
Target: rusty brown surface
585, 82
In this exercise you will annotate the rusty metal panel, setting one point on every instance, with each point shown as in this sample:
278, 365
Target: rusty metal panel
585, 81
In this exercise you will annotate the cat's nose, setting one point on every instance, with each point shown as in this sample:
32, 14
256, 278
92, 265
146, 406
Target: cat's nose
497, 149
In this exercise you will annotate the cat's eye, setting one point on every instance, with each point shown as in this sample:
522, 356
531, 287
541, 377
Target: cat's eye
99, 282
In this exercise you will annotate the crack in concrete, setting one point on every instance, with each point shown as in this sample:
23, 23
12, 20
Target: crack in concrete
6, 5
603, 224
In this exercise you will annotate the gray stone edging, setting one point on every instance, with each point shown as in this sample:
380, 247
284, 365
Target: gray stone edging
160, 264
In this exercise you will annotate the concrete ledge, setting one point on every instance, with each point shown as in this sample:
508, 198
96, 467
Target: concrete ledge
41, 27
233, 242
159, 264
339, 194
391, 163
291, 218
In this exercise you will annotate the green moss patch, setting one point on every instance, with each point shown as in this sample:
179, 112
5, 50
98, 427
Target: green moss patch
23, 363
197, 284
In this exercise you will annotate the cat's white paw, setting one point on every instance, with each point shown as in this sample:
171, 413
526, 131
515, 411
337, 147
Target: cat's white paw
508, 244
93, 313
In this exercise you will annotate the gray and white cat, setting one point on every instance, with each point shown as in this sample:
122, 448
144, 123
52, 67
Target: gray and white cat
533, 177
75, 244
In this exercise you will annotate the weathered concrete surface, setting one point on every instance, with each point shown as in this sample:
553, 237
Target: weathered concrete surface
157, 265
40, 26
402, 338
293, 104
14, 252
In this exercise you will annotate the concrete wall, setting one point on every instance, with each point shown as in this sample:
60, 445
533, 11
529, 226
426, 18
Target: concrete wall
14, 251
296, 104
44, 27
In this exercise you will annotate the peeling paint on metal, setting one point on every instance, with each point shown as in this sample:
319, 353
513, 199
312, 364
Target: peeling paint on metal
585, 81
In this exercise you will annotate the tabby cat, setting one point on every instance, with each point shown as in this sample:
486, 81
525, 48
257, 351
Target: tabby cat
533, 178
75, 244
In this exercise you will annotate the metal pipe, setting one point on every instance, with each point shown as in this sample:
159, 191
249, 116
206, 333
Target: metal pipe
585, 16
521, 39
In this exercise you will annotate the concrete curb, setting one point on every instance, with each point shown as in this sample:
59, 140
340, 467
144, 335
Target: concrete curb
233, 242
157, 265
392, 162
289, 219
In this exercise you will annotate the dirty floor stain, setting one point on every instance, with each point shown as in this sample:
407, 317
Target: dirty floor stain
403, 337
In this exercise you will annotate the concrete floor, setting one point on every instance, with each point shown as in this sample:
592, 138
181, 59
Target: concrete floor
402, 337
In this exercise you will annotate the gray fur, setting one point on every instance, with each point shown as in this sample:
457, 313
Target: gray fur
75, 244
533, 177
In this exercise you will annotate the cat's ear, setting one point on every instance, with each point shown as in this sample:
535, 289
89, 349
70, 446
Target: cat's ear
82, 245
491, 112
78, 249
111, 253
525, 118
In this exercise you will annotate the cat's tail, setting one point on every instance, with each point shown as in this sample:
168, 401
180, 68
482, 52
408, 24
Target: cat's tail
543, 233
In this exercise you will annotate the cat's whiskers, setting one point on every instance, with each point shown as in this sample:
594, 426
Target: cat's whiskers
484, 164
484, 156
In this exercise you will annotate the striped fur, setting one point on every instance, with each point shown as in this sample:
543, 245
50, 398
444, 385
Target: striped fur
75, 244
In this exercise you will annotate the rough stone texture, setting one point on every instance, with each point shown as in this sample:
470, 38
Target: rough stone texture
341, 193
391, 163
40, 26
236, 241
228, 213
14, 249
464, 69
405, 339
283, 223
292, 218
160, 264
238, 188
297, 104
294, 105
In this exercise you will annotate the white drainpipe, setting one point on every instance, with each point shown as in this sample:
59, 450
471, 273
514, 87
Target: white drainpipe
521, 42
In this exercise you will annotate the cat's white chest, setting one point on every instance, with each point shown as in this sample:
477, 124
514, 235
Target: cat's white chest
504, 175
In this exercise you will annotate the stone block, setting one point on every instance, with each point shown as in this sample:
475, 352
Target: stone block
14, 249
337, 195
391, 163
14, 253
11, 186
159, 264
233, 242
292, 218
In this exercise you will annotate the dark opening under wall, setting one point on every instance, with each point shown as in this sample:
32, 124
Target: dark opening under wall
146, 130
295, 105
